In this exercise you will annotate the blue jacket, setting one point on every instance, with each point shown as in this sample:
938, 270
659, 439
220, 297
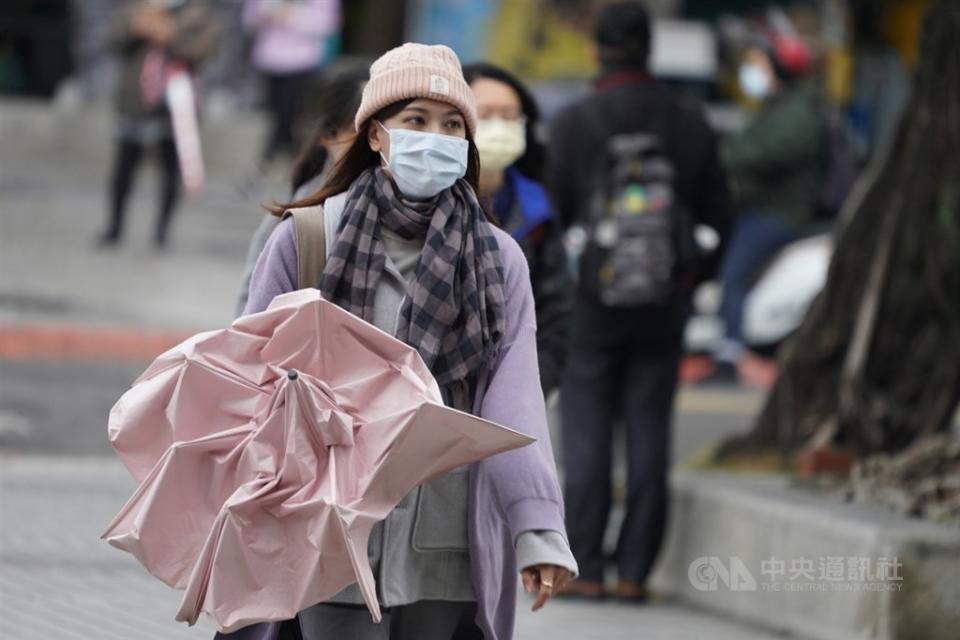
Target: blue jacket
521, 205
524, 210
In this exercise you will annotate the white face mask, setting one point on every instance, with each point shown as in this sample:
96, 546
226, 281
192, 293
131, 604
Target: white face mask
500, 142
424, 164
755, 82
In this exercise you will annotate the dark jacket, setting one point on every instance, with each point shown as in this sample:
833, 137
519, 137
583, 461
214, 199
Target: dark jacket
525, 212
195, 39
630, 102
776, 163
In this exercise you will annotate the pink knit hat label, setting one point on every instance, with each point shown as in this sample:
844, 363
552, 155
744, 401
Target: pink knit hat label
439, 84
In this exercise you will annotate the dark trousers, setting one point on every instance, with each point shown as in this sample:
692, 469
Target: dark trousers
285, 95
128, 156
421, 620
755, 239
620, 365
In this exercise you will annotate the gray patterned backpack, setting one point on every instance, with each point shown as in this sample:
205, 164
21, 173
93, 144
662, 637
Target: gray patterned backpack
636, 240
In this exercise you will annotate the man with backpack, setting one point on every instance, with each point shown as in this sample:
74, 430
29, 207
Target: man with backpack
634, 167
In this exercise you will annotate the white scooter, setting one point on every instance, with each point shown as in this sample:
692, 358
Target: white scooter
776, 304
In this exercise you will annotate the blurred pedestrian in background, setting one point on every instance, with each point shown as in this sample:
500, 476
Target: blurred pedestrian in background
289, 45
512, 167
339, 99
152, 37
776, 164
337, 102
632, 167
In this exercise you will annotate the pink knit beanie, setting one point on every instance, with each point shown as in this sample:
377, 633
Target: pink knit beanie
417, 71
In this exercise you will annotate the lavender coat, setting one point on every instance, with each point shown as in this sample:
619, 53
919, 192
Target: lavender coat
295, 45
510, 493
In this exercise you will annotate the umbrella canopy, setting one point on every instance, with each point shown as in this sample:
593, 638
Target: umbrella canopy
266, 452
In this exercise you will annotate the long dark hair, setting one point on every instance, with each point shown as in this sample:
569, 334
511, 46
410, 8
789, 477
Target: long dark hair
336, 105
533, 162
360, 157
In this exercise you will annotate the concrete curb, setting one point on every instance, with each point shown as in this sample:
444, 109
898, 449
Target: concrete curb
725, 527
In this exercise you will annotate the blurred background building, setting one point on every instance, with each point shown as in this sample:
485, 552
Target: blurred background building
78, 324
56, 53
48, 47
57, 50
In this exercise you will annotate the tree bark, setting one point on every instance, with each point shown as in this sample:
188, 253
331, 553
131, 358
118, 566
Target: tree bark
876, 362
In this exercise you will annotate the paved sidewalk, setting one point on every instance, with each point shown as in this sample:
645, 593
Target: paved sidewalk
52, 273
58, 580
78, 324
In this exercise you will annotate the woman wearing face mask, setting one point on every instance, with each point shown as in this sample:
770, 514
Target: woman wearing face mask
512, 162
412, 252
339, 100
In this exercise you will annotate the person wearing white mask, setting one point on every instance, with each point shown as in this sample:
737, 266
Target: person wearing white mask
409, 248
512, 163
776, 164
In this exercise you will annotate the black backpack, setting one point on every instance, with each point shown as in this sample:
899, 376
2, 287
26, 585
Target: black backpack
639, 240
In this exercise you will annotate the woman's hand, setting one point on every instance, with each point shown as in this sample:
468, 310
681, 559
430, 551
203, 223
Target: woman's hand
544, 580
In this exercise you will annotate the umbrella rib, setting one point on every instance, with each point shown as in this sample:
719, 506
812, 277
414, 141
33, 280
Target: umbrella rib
226, 373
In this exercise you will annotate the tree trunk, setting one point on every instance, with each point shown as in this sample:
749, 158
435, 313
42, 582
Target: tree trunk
876, 362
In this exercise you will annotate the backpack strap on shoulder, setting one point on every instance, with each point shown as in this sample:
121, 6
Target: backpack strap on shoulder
311, 244
316, 229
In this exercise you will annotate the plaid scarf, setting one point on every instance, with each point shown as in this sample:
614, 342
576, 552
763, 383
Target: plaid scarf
453, 311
